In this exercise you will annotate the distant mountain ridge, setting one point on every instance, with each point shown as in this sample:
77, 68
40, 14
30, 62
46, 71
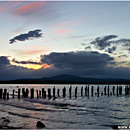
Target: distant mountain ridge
67, 79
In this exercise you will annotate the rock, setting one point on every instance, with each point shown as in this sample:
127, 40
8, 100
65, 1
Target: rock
40, 124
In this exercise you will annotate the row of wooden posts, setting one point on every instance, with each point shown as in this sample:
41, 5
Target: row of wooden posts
43, 94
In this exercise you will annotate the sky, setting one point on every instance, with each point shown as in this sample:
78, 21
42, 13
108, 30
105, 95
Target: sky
48, 38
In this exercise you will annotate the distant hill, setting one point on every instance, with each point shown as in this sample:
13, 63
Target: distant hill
67, 79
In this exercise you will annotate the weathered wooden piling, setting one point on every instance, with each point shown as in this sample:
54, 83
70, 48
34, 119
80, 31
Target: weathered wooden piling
5, 93
49, 93
13, 93
81, 91
120, 90
105, 91
1, 93
117, 91
27, 91
92, 91
98, 91
64, 92
8, 96
108, 90
76, 89
23, 92
58, 92
70, 90
19, 93
125, 90
40, 93
43, 92
32, 92
54, 92
37, 93
113, 89
86, 90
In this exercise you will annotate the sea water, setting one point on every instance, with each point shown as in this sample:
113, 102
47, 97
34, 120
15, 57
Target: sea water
65, 113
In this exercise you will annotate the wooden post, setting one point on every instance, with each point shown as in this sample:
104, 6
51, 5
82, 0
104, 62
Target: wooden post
86, 88
43, 92
8, 96
76, 89
64, 92
1, 93
92, 91
117, 91
49, 93
23, 92
32, 93
27, 92
88, 91
40, 93
19, 93
58, 92
105, 91
5, 93
13, 93
37, 93
98, 91
113, 90
54, 92
70, 89
108, 90
81, 91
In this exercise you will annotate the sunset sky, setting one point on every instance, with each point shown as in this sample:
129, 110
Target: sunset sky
47, 38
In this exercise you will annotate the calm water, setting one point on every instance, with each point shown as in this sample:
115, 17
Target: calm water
80, 113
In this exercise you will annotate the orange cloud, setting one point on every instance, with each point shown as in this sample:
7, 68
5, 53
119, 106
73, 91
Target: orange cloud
30, 8
9, 5
62, 31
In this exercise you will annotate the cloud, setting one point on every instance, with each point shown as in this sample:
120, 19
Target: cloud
26, 62
4, 61
122, 56
88, 48
89, 64
83, 44
27, 36
77, 60
125, 42
103, 42
29, 9
63, 31
111, 50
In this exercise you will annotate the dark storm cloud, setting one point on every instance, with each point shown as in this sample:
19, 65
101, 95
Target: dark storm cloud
77, 60
103, 42
27, 36
111, 50
93, 64
4, 60
26, 62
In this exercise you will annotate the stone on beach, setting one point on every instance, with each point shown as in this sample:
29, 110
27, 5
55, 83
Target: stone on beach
40, 124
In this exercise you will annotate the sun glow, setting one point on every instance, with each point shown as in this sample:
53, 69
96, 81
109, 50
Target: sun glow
36, 67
